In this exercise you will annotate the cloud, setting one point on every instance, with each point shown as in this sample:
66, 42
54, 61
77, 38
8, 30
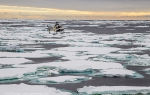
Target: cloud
49, 13
83, 5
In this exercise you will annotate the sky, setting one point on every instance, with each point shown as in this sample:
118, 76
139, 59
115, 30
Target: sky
76, 9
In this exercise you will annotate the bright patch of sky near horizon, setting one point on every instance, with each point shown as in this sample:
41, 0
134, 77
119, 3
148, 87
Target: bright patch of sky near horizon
76, 9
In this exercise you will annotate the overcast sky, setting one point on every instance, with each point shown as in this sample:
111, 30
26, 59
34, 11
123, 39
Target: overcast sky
85, 5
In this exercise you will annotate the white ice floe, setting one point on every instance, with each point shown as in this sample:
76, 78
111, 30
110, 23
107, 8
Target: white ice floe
115, 42
145, 56
44, 39
63, 79
55, 52
147, 70
18, 42
101, 59
119, 56
97, 50
129, 51
141, 26
12, 73
24, 89
89, 25
11, 48
65, 55
139, 62
25, 55
11, 61
79, 44
33, 48
84, 68
60, 70
140, 49
78, 57
115, 26
116, 73
125, 36
68, 65
113, 90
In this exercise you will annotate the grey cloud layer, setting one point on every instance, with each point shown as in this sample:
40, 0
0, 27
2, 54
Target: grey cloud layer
85, 5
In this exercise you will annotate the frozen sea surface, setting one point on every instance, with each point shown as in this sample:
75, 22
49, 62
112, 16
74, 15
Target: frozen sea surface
86, 51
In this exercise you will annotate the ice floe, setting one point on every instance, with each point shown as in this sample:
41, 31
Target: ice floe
61, 79
118, 73
141, 26
78, 57
24, 73
23, 55
119, 57
8, 75
129, 51
83, 68
139, 62
140, 49
11, 61
89, 50
147, 70
24, 89
113, 90
18, 42
33, 48
75, 66
11, 48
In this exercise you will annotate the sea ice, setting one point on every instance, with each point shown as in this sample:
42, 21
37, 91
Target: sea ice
79, 69
113, 90
24, 55
25, 48
68, 65
118, 73
61, 79
78, 44
140, 49
24, 73
78, 57
129, 51
14, 73
139, 62
16, 42
11, 48
119, 57
141, 26
115, 42
11, 61
97, 50
24, 89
